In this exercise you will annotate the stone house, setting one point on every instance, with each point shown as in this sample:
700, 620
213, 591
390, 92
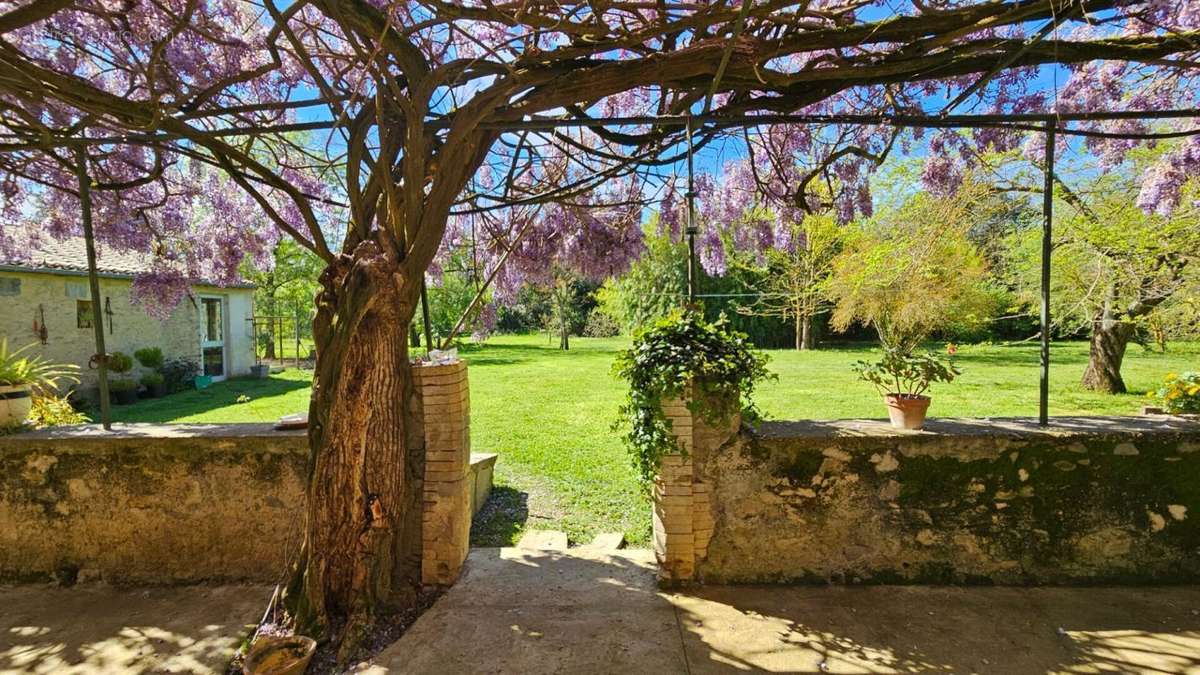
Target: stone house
46, 300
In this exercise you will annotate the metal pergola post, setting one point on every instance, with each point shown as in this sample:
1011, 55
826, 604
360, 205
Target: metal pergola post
1047, 249
89, 238
692, 230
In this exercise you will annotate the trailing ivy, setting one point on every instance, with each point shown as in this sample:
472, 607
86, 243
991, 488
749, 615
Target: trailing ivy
681, 349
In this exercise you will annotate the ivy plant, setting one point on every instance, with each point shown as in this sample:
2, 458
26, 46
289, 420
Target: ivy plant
680, 350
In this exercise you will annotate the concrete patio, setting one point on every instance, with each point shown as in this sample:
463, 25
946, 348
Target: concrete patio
521, 611
546, 611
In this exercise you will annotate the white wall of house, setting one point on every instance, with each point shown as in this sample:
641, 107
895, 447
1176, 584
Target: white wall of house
55, 300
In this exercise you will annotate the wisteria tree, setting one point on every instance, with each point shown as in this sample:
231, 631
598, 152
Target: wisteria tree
181, 113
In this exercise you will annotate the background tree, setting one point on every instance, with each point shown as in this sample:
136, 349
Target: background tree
793, 286
1116, 267
413, 91
914, 270
285, 288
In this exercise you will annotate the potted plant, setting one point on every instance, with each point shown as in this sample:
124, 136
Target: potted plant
903, 378
1179, 394
153, 381
155, 384
260, 370
123, 389
21, 374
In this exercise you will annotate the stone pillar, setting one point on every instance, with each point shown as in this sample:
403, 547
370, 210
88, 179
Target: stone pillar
446, 522
683, 518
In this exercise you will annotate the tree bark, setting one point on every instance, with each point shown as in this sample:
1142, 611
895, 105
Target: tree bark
1107, 350
805, 337
361, 556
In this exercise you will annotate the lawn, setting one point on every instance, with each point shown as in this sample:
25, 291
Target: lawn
549, 414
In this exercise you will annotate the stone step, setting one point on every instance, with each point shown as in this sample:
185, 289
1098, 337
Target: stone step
543, 540
607, 541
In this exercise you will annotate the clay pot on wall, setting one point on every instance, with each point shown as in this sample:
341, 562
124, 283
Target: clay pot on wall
907, 411
15, 404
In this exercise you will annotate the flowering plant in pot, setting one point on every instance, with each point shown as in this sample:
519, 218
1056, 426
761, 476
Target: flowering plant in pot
21, 376
903, 378
1179, 394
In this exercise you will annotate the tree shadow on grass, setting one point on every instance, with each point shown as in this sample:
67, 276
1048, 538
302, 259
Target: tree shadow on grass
501, 518
194, 402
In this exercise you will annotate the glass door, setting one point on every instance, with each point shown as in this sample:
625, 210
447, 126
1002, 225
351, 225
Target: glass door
212, 337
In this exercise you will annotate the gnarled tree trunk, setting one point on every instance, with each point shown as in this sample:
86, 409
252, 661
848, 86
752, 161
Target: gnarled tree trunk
361, 556
1107, 350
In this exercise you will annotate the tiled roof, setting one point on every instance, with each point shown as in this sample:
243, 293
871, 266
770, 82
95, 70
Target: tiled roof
70, 256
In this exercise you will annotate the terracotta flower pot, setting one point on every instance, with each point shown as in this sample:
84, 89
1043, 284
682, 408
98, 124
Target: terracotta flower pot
15, 404
270, 655
907, 411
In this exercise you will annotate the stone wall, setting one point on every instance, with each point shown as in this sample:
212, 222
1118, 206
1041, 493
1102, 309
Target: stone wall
148, 504
1086, 500
151, 504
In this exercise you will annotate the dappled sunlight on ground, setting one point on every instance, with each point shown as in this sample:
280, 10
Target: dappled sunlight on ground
520, 611
100, 629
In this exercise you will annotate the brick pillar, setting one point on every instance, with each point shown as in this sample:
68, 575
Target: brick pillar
446, 522
683, 519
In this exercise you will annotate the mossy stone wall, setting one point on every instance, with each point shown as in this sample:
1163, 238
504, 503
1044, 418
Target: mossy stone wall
151, 504
1084, 501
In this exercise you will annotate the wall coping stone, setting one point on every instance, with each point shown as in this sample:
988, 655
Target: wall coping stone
122, 431
1006, 427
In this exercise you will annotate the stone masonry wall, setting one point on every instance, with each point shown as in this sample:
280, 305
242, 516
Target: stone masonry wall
1086, 500
446, 528
682, 506
150, 504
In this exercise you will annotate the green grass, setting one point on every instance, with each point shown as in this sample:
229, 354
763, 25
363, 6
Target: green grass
549, 413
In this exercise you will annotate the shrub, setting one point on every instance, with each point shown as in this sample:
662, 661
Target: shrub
178, 374
123, 384
600, 324
677, 351
1179, 393
152, 379
120, 363
908, 375
149, 357
53, 411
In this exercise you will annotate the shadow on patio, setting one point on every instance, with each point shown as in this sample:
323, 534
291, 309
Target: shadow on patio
95, 628
587, 612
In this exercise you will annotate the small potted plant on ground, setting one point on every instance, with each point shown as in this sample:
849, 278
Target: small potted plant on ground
153, 381
1179, 394
123, 389
903, 379
20, 375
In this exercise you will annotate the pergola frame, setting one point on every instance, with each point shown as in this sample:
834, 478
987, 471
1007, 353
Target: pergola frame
1048, 124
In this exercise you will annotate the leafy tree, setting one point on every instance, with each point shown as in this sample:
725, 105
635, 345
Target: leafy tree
286, 287
913, 271
1116, 268
794, 281
654, 286
189, 107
